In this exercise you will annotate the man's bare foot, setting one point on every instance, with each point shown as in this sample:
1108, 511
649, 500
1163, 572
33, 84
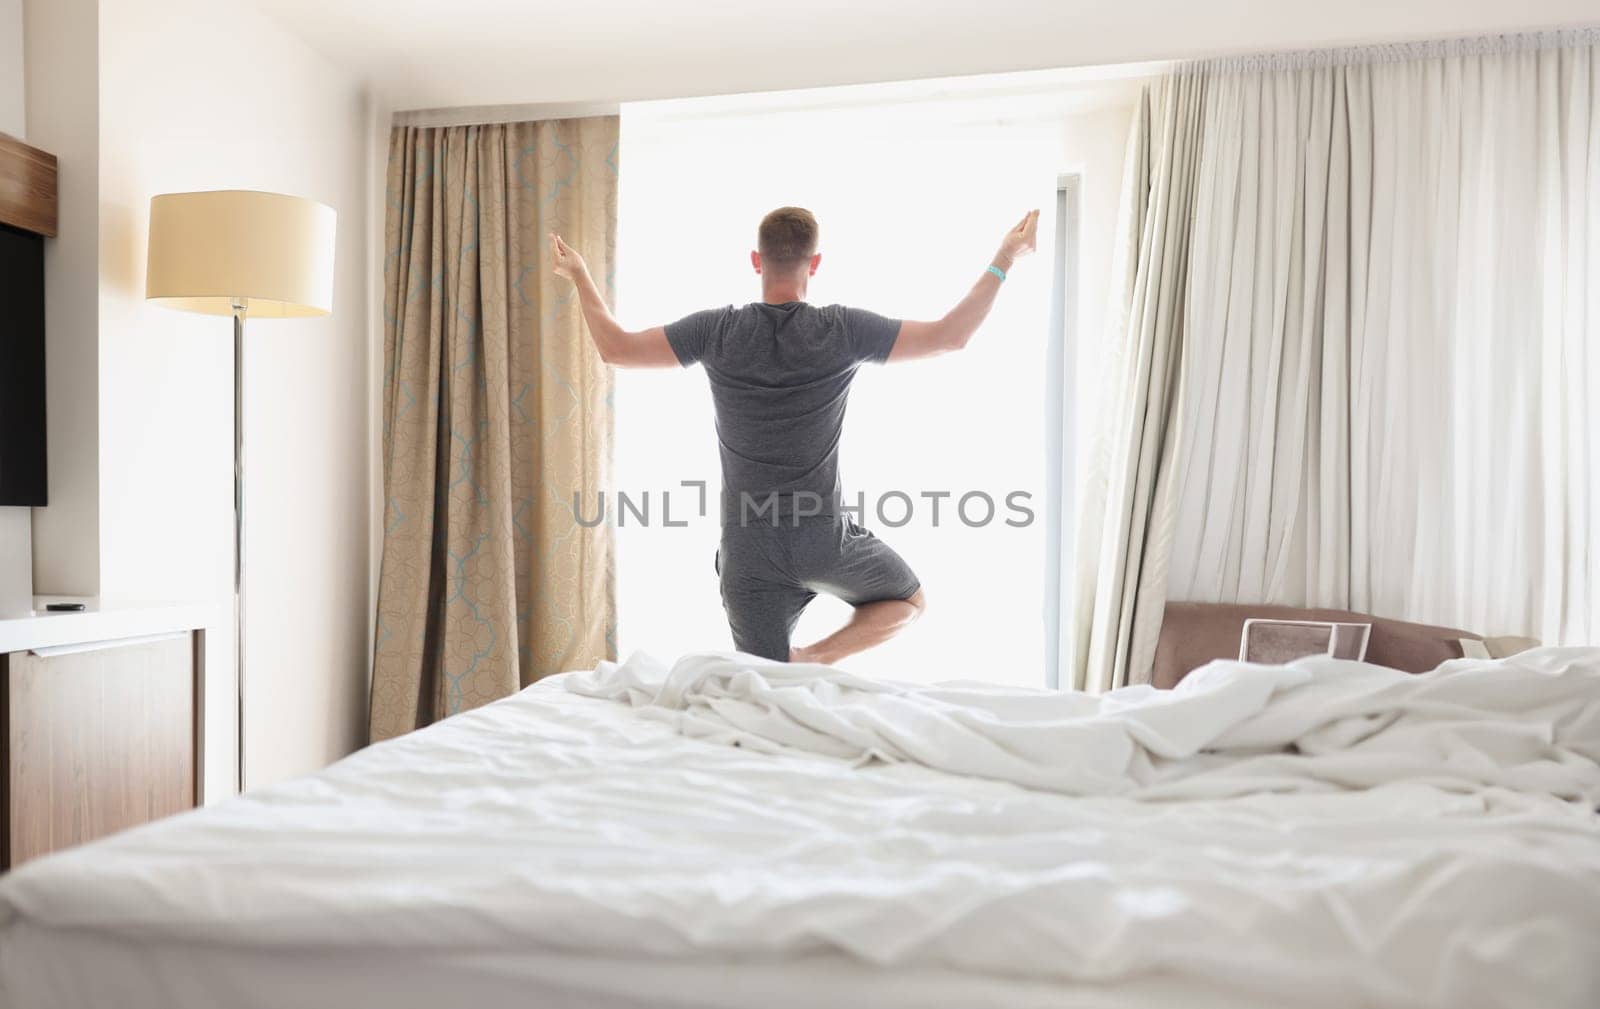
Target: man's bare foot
870, 624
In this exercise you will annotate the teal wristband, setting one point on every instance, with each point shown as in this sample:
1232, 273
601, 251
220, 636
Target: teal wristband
997, 271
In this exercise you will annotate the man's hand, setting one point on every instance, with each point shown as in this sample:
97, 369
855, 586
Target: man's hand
568, 263
1019, 241
924, 339
645, 349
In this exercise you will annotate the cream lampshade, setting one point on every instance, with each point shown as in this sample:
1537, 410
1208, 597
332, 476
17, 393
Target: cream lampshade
240, 253
272, 252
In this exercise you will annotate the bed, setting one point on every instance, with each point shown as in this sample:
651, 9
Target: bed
729, 832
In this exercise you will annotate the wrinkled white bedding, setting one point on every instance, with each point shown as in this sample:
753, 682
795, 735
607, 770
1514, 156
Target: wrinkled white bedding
1326, 829
1530, 724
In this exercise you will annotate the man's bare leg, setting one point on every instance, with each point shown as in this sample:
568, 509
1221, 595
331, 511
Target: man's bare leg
870, 624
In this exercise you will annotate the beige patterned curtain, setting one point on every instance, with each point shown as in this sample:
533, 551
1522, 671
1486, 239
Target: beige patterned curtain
496, 413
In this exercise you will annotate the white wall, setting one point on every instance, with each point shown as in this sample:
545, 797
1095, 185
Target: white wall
380, 117
1094, 140
196, 95
13, 86
63, 118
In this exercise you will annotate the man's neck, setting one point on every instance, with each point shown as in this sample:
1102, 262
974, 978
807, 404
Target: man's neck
783, 292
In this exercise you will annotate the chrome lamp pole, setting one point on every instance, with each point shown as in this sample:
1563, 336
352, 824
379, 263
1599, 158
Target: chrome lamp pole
240, 307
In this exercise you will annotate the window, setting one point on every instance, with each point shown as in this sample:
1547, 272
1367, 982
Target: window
913, 192
1060, 447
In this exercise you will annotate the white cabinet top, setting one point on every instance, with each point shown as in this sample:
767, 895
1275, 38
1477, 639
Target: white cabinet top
103, 622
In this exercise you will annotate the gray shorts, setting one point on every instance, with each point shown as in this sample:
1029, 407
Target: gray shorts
770, 573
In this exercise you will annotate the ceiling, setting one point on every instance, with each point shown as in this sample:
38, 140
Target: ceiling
441, 53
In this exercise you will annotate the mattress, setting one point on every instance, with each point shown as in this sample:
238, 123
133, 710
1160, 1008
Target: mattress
727, 832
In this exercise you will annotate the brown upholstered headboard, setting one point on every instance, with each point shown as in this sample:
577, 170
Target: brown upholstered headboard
1193, 634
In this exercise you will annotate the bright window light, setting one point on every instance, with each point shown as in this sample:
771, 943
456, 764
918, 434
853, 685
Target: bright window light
913, 195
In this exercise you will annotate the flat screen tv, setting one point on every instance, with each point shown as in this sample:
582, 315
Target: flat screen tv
22, 445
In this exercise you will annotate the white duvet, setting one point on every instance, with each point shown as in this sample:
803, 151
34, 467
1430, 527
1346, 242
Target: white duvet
1323, 830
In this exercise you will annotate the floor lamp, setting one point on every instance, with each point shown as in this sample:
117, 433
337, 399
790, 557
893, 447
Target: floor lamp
239, 253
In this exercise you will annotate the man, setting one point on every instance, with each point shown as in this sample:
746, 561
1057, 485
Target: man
780, 372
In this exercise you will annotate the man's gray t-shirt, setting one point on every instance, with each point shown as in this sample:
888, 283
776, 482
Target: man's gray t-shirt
780, 377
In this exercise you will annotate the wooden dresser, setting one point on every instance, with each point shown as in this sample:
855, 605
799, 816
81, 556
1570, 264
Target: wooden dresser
100, 723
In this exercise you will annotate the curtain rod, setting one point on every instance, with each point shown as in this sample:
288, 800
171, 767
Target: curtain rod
1395, 52
482, 115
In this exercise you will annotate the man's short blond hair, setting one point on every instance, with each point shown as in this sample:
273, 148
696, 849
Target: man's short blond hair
787, 237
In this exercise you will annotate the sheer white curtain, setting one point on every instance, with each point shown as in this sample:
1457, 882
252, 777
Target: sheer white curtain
1391, 368
1112, 610
1388, 313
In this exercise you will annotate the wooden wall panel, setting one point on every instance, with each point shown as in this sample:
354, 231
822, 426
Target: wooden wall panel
27, 187
97, 741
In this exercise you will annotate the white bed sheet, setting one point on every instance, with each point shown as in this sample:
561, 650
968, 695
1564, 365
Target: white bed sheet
571, 847
81, 969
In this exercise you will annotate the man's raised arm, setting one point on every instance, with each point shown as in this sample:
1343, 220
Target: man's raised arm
646, 348
925, 339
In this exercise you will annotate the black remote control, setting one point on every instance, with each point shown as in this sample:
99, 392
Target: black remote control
64, 607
